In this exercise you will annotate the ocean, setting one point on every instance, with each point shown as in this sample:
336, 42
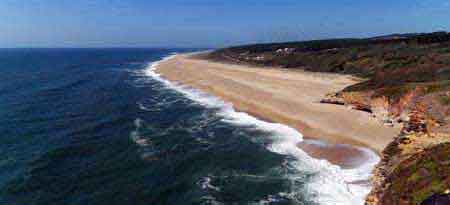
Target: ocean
100, 126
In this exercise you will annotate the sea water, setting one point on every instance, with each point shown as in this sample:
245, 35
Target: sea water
101, 126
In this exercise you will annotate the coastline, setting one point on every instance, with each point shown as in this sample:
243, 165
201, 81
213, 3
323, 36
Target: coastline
283, 96
291, 98
343, 170
254, 94
413, 97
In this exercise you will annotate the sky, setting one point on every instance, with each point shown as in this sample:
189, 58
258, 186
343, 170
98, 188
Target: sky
209, 23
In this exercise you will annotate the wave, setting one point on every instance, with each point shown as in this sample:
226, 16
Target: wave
330, 183
136, 136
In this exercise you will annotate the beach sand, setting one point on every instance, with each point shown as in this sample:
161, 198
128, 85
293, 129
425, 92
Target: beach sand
289, 97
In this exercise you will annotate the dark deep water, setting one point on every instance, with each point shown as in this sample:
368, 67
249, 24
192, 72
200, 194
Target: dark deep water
87, 126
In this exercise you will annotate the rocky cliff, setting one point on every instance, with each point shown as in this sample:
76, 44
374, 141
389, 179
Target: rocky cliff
415, 166
407, 84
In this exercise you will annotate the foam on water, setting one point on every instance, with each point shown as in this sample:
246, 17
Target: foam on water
135, 135
330, 184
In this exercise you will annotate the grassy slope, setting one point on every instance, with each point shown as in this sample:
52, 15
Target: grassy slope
407, 75
394, 65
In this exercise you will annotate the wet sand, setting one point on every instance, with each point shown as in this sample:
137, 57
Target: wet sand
289, 97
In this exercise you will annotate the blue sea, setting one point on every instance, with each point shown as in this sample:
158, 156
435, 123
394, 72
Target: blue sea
102, 127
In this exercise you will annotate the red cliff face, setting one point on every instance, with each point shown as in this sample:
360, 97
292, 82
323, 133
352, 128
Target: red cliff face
415, 166
414, 169
408, 83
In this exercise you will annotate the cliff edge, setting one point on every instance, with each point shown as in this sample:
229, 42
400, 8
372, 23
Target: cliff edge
407, 83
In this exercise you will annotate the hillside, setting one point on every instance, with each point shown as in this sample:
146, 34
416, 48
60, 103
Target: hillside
407, 82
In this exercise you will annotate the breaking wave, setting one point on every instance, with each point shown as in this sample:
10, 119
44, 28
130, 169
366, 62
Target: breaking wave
330, 183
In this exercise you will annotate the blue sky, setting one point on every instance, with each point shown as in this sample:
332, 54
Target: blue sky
208, 23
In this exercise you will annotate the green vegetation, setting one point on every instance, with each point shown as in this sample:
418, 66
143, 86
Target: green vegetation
445, 100
412, 71
439, 86
388, 60
421, 176
394, 93
394, 66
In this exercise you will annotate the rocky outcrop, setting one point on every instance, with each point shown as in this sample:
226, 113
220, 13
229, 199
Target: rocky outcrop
413, 170
378, 107
415, 166
408, 85
333, 98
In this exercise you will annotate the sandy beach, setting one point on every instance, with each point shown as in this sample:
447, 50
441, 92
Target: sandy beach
289, 97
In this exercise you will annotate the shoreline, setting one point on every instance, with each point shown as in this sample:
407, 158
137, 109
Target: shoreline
273, 94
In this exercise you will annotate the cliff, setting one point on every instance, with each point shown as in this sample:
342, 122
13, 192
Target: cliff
407, 84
